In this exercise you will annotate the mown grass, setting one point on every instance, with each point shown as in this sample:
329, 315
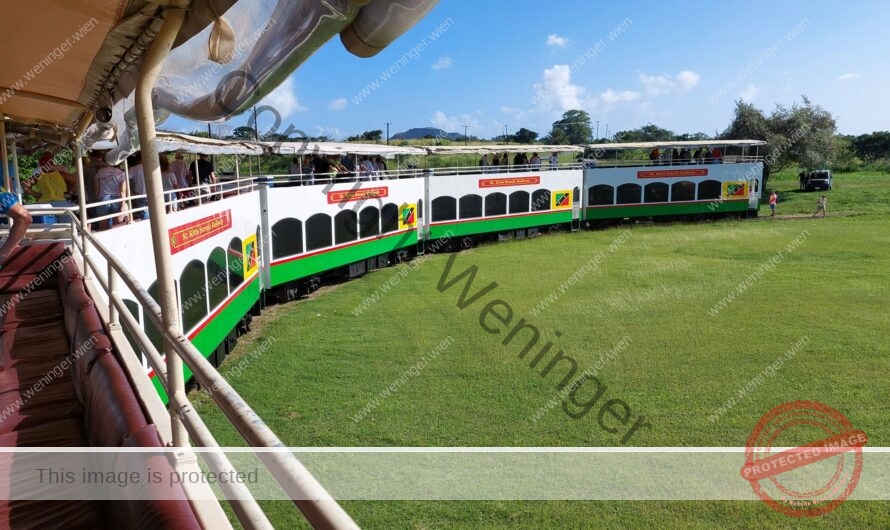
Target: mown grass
682, 364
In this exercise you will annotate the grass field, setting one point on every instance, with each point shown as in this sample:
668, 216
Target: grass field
686, 355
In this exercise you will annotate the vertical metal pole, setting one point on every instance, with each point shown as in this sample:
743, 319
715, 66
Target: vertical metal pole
7, 178
237, 175
82, 203
129, 201
16, 182
197, 181
265, 226
148, 75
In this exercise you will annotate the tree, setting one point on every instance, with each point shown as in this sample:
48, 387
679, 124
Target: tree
575, 128
525, 136
646, 133
373, 136
243, 133
802, 135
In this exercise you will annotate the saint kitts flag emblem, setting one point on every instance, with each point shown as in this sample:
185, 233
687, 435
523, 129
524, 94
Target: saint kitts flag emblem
407, 216
561, 199
735, 190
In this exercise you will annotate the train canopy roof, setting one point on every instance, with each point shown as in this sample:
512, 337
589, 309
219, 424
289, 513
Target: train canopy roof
338, 148
675, 145
63, 60
497, 149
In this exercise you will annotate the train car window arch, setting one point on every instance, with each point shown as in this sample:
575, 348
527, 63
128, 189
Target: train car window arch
495, 204
601, 195
576, 195
470, 206
287, 238
420, 208
683, 191
217, 277
541, 200
444, 209
709, 189
519, 202
369, 222
389, 217
318, 232
153, 333
235, 264
629, 193
656, 192
193, 294
345, 227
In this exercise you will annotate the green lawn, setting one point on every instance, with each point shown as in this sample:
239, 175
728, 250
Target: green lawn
682, 364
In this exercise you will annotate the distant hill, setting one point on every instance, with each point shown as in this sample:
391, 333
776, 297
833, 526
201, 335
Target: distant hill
425, 132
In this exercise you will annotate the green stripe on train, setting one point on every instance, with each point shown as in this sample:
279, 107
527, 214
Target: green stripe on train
499, 224
215, 332
308, 266
655, 210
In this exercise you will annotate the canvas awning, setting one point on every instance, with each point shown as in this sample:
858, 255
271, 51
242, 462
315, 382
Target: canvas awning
340, 148
675, 145
496, 149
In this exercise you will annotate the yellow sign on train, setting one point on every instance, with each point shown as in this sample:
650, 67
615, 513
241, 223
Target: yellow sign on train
251, 256
735, 190
408, 216
561, 200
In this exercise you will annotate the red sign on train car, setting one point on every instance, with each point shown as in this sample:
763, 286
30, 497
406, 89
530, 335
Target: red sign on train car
672, 173
505, 182
339, 197
188, 235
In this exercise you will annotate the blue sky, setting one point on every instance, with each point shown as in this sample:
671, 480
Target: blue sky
510, 63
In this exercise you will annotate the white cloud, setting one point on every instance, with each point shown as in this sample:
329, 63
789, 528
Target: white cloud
657, 85
688, 79
284, 99
848, 77
443, 63
338, 104
455, 124
749, 93
557, 92
556, 40
610, 97
331, 132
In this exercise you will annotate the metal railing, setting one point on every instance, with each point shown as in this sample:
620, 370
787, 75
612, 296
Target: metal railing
315, 503
667, 162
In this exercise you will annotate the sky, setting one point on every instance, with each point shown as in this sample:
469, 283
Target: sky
680, 65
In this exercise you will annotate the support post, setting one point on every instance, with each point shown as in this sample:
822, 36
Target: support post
7, 178
148, 75
81, 203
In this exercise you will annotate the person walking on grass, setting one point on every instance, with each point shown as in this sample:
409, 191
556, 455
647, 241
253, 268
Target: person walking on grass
821, 206
773, 200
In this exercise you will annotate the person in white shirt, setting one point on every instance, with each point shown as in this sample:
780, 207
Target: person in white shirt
535, 162
554, 161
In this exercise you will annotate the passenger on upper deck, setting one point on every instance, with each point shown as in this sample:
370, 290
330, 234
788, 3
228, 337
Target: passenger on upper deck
179, 168
554, 161
654, 156
109, 187
717, 155
52, 180
696, 156
485, 163
137, 185
21, 220
496, 161
536, 162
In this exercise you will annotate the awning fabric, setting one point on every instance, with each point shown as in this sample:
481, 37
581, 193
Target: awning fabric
336, 148
675, 145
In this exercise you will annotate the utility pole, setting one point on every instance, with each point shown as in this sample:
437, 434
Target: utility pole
466, 137
597, 130
506, 136
387, 133
607, 132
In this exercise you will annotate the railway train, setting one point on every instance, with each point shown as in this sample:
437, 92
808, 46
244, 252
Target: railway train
275, 242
